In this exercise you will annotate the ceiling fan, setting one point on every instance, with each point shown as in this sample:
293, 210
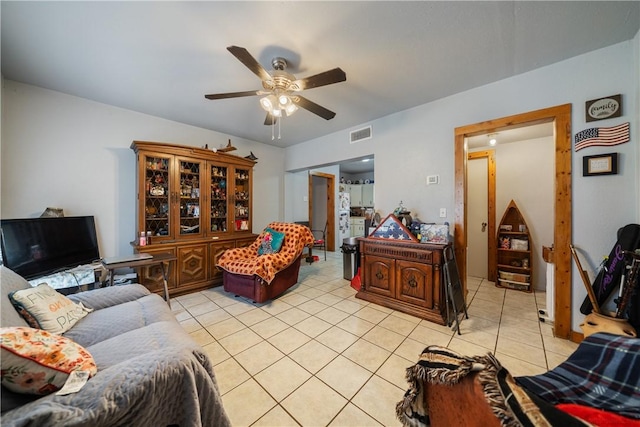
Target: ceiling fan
281, 88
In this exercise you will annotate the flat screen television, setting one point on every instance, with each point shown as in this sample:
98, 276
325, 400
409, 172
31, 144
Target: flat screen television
35, 247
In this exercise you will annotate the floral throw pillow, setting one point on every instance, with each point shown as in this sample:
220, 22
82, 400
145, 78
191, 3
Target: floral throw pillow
35, 361
271, 242
45, 308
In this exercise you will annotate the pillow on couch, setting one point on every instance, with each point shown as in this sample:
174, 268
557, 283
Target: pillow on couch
271, 242
45, 308
38, 362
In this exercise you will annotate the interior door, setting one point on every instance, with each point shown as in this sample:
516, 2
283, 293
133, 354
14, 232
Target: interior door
478, 236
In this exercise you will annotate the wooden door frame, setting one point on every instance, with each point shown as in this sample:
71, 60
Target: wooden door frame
331, 208
560, 117
491, 208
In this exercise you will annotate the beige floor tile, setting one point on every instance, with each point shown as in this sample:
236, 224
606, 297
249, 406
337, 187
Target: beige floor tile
384, 338
518, 367
213, 317
348, 306
352, 416
226, 300
314, 403
276, 417
329, 299
394, 370
520, 322
312, 306
294, 299
202, 308
344, 376
293, 316
281, 378
275, 307
242, 414
484, 313
355, 325
225, 328
411, 349
229, 375
524, 336
370, 314
408, 317
435, 327
312, 293
466, 348
313, 356
312, 326
202, 337
398, 325
240, 341
269, 327
553, 359
344, 292
190, 300
254, 316
332, 315
239, 308
427, 336
216, 352
190, 325
182, 315
479, 324
258, 357
559, 346
527, 353
378, 398
367, 355
530, 313
337, 339
481, 338
289, 340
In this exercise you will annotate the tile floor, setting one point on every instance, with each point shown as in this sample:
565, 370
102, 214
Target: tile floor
317, 356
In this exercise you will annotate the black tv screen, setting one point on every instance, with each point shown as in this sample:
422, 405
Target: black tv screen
35, 247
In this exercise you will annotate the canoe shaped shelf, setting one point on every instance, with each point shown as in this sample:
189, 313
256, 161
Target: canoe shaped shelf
513, 258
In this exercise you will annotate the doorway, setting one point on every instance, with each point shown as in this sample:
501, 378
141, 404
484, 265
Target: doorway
481, 221
560, 117
322, 209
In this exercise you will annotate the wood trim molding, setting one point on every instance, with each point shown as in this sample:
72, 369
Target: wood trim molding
560, 116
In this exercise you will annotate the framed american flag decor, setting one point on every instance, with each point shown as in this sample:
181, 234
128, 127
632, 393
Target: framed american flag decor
602, 164
392, 228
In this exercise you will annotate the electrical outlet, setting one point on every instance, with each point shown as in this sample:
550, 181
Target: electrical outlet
433, 179
443, 212
305, 198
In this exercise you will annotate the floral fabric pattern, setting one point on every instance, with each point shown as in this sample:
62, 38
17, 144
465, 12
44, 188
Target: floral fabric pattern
248, 262
35, 361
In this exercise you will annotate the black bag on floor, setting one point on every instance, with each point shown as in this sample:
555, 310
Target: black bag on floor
608, 277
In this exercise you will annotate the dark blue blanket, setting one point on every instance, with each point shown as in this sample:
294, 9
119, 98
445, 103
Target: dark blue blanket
603, 372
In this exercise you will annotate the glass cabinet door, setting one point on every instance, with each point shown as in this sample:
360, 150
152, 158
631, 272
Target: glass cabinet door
188, 194
157, 196
218, 197
242, 202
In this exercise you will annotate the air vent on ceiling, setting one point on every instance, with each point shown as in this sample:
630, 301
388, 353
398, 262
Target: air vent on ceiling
360, 135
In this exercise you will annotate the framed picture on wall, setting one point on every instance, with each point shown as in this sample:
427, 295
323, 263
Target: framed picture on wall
602, 164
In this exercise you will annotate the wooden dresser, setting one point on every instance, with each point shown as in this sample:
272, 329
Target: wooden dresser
404, 276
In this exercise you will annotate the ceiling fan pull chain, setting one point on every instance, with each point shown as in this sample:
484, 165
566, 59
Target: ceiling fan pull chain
279, 121
272, 135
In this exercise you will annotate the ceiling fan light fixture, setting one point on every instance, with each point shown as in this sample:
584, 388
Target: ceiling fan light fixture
291, 108
276, 112
284, 100
268, 103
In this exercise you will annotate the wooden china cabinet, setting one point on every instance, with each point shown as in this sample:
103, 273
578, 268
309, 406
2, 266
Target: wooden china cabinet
193, 203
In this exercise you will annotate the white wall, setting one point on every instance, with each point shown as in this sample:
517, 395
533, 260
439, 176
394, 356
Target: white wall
525, 173
68, 152
412, 144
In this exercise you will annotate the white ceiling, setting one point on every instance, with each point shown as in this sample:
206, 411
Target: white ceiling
160, 58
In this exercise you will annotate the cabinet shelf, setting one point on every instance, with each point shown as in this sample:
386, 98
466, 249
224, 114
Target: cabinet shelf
514, 246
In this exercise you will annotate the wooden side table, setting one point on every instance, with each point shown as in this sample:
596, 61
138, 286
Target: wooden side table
160, 259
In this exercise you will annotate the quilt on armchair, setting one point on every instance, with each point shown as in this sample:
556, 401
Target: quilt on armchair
246, 261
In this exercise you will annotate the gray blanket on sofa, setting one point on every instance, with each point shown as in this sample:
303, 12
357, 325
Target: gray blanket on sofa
150, 371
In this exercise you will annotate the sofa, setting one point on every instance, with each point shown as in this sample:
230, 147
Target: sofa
150, 372
598, 385
260, 274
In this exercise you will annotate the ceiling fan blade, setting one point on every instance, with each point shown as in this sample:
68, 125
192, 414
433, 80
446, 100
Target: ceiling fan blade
233, 94
313, 107
327, 78
250, 62
270, 120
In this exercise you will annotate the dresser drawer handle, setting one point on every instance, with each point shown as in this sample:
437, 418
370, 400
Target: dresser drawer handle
413, 282
379, 275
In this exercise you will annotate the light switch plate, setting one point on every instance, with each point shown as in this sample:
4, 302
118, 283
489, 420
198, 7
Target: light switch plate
443, 212
433, 179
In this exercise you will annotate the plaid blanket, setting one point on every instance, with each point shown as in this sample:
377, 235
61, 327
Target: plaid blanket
603, 372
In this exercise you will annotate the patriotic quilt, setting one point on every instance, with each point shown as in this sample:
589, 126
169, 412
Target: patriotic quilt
603, 373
